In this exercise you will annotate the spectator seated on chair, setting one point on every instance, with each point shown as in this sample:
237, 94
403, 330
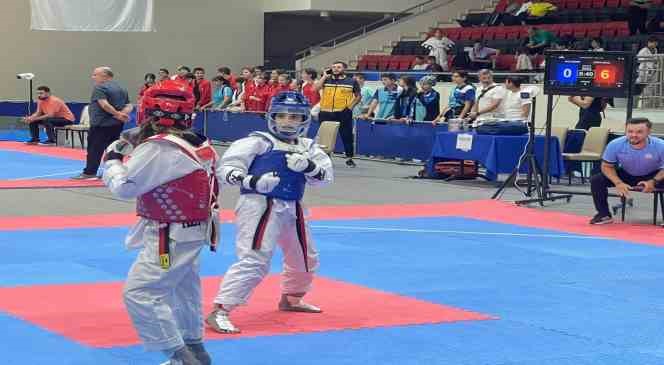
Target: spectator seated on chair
539, 40
480, 56
432, 65
51, 112
419, 64
637, 159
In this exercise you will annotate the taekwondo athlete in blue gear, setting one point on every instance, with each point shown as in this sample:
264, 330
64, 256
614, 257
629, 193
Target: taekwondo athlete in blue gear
272, 170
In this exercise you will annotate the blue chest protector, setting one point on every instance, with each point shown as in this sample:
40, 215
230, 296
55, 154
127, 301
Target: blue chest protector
292, 184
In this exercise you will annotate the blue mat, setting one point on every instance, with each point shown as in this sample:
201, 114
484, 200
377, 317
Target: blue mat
560, 298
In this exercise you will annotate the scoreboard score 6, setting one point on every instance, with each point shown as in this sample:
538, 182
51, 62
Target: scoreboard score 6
587, 73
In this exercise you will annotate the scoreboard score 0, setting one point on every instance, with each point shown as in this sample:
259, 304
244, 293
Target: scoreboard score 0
599, 74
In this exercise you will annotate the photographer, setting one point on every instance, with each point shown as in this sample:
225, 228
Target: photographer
340, 95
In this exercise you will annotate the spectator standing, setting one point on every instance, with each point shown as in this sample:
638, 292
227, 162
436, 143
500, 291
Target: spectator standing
384, 102
489, 97
366, 94
256, 98
408, 106
51, 112
539, 40
438, 46
164, 74
247, 74
634, 160
637, 15
429, 98
480, 56
181, 76
340, 93
202, 88
419, 64
647, 70
461, 98
309, 91
148, 80
516, 102
226, 73
222, 95
109, 109
656, 24
590, 111
283, 84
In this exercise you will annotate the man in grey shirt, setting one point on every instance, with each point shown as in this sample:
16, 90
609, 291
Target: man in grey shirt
109, 109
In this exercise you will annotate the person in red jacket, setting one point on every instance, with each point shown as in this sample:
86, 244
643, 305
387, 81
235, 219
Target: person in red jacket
256, 98
308, 90
283, 84
202, 88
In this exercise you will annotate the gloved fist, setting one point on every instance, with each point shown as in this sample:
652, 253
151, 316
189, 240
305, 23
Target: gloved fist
262, 184
297, 162
117, 150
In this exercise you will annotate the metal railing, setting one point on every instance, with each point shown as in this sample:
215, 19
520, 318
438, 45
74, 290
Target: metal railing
372, 27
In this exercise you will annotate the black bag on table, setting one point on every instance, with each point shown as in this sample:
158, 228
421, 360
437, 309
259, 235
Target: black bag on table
503, 128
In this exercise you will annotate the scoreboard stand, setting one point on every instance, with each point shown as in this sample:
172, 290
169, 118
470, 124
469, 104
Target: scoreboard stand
583, 73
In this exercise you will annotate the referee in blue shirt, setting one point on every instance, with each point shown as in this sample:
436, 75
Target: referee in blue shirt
635, 160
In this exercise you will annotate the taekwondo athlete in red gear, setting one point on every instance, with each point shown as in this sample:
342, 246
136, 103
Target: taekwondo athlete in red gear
272, 170
170, 171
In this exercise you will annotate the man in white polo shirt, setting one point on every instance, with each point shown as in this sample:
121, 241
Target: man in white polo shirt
516, 102
489, 97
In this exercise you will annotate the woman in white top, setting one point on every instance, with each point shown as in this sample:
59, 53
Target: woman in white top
438, 46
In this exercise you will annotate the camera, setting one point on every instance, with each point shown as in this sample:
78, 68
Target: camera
25, 76
328, 72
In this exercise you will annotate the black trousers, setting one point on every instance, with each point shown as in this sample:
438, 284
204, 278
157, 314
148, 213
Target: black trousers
636, 20
50, 124
600, 184
99, 138
587, 124
345, 118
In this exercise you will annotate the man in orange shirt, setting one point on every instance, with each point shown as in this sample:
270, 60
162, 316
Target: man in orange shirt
51, 112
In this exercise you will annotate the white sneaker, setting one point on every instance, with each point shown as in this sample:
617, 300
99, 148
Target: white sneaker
220, 322
289, 303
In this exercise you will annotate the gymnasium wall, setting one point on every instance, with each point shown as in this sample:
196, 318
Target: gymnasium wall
206, 33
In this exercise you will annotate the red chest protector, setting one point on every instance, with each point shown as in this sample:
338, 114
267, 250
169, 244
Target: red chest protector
189, 198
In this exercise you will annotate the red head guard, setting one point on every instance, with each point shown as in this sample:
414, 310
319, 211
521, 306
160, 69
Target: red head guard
171, 102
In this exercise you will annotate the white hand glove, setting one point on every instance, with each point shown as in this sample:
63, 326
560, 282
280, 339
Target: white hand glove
117, 150
297, 162
262, 184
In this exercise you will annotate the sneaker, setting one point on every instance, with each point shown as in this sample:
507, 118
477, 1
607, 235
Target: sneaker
350, 163
84, 176
47, 143
199, 352
32, 142
601, 219
182, 356
220, 322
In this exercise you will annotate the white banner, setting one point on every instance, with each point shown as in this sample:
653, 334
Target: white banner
92, 15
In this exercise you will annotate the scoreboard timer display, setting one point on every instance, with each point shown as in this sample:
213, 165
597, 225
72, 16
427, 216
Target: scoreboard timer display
599, 74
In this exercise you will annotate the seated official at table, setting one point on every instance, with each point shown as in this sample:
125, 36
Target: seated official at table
634, 160
516, 101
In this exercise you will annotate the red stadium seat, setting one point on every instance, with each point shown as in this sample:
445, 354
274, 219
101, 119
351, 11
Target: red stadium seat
362, 65
500, 33
571, 4
505, 62
585, 4
512, 32
537, 61
452, 33
465, 34
594, 30
612, 3
579, 30
622, 30
523, 32
566, 29
599, 4
383, 64
476, 34
624, 3
489, 33
501, 6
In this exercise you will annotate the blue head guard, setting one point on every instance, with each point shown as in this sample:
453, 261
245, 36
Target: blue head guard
293, 103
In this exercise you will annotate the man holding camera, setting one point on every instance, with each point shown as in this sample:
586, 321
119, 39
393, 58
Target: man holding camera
340, 95
51, 112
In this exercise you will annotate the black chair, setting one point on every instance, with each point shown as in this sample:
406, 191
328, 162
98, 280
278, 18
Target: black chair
657, 205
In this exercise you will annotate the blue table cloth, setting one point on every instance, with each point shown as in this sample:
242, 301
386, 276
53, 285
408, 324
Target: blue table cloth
498, 154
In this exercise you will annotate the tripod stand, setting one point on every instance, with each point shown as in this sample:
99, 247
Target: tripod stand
535, 179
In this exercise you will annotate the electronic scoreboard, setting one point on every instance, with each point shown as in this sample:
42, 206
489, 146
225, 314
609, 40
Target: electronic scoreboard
597, 74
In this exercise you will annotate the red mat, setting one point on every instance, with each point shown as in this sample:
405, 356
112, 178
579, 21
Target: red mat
94, 315
49, 184
52, 151
487, 210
